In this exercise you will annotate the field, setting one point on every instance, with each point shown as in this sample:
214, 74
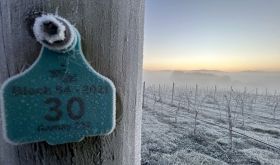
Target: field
193, 125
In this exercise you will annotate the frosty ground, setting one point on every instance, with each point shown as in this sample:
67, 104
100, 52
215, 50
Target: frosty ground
168, 135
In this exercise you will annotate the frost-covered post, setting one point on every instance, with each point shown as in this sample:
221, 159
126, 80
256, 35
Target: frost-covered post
275, 105
195, 109
177, 110
143, 99
228, 107
172, 97
188, 101
266, 95
112, 39
243, 101
215, 91
159, 93
154, 97
257, 94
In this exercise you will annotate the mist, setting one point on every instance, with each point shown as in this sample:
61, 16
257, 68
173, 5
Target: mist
251, 80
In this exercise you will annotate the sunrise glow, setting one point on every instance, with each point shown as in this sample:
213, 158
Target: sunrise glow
212, 35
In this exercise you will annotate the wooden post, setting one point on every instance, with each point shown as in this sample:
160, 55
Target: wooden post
215, 93
172, 93
159, 93
112, 40
143, 99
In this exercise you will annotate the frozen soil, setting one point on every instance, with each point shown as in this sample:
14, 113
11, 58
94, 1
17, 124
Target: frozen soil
168, 135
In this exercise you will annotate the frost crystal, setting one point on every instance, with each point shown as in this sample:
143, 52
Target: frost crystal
50, 31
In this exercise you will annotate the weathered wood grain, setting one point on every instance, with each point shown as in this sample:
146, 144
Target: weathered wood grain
112, 38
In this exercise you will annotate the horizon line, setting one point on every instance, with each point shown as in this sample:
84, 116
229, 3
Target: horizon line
208, 70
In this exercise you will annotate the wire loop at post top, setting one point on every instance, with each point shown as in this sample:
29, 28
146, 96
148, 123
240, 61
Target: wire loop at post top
54, 32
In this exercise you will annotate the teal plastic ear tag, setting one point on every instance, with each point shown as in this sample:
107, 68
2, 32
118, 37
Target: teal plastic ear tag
59, 99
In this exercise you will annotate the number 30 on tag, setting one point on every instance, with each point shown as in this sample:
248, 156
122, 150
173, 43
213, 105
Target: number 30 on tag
59, 99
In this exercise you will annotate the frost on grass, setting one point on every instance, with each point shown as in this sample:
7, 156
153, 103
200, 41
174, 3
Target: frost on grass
263, 156
169, 141
185, 157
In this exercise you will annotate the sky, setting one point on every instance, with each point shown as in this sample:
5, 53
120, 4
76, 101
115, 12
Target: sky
225, 35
